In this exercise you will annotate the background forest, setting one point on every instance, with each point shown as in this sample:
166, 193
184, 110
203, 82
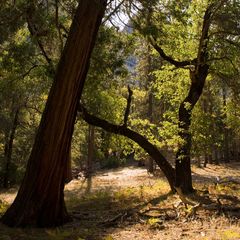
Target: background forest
92, 85
32, 39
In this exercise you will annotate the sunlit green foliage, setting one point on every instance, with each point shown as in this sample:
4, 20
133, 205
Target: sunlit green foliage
28, 60
177, 29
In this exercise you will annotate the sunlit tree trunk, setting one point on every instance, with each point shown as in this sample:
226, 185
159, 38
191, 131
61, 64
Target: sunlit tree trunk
91, 134
40, 199
150, 102
150, 115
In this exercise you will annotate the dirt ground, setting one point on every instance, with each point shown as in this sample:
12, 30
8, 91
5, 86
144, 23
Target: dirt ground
128, 203
206, 225
135, 176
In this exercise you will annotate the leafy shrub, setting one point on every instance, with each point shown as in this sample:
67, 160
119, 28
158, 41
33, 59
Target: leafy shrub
112, 162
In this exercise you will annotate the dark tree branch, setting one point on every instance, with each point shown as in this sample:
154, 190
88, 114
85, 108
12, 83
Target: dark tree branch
122, 21
29, 70
158, 48
152, 150
223, 32
127, 111
226, 58
233, 43
202, 56
22, 76
114, 25
116, 8
178, 64
34, 33
204, 39
109, 2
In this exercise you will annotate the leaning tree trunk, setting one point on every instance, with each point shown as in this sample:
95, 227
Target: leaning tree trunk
183, 164
40, 200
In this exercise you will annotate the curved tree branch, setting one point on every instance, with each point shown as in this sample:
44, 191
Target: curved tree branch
35, 34
114, 11
152, 150
178, 64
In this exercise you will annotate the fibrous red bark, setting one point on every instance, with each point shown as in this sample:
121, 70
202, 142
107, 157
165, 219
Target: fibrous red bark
40, 200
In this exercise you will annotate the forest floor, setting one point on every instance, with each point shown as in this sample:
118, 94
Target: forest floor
128, 204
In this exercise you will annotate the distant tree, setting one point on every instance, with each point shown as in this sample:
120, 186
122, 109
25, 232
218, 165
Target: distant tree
102, 91
21, 93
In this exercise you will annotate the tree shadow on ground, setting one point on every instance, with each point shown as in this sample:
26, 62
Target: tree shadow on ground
98, 213
103, 211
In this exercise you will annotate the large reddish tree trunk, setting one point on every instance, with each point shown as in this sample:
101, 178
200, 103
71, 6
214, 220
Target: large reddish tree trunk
40, 200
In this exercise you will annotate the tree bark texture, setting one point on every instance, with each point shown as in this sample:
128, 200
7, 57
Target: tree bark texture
183, 158
40, 199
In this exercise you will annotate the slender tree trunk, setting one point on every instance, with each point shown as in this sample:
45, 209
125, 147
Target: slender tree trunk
226, 145
40, 199
205, 108
8, 149
150, 106
234, 149
226, 150
149, 82
216, 155
206, 160
91, 133
212, 126
151, 167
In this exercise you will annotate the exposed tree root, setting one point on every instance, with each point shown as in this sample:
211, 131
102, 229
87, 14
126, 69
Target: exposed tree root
197, 202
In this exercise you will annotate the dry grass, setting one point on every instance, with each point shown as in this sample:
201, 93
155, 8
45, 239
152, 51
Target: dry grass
129, 204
